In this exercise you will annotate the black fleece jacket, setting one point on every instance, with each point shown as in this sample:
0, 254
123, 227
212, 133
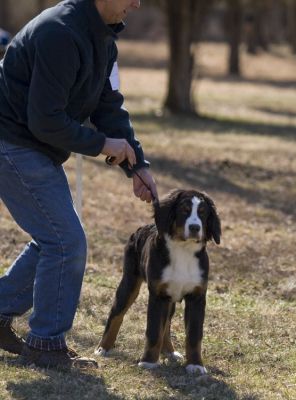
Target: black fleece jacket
55, 75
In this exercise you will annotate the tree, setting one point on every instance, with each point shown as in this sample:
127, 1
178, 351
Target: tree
256, 25
185, 22
291, 8
233, 28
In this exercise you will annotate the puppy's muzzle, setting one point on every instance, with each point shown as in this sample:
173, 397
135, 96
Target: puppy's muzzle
194, 231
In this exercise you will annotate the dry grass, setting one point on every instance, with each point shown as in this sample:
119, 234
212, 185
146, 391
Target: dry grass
242, 154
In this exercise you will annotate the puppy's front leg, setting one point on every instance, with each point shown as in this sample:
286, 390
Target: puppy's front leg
194, 320
167, 345
157, 320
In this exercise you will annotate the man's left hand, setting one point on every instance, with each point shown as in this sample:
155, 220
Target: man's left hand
140, 190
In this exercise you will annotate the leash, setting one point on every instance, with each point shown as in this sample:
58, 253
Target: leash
109, 161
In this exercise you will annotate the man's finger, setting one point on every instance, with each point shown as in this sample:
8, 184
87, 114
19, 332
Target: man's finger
139, 191
153, 191
130, 155
148, 197
116, 161
120, 157
144, 196
113, 161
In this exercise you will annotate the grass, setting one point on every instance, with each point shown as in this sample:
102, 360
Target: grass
243, 154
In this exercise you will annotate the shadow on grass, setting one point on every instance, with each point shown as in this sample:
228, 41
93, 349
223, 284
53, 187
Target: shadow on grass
281, 113
71, 385
218, 125
218, 176
79, 385
280, 84
92, 343
225, 176
129, 61
201, 387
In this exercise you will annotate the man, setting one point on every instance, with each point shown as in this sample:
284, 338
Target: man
59, 70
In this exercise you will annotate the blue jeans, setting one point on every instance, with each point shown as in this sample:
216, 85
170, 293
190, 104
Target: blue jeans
48, 273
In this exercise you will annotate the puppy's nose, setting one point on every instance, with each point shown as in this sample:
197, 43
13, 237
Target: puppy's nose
194, 228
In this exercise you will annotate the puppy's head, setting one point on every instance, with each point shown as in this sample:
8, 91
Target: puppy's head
188, 215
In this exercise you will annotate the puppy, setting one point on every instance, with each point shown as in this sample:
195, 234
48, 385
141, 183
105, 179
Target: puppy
171, 257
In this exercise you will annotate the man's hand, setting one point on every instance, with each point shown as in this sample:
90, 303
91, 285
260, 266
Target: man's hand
140, 190
119, 149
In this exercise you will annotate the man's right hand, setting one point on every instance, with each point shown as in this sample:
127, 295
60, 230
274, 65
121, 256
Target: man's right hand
119, 149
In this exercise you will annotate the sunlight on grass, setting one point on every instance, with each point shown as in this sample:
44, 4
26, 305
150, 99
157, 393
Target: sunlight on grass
243, 154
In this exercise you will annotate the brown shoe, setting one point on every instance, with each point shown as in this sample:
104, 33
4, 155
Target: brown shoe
10, 340
61, 359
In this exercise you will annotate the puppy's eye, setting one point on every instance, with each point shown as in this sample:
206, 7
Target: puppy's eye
201, 211
186, 210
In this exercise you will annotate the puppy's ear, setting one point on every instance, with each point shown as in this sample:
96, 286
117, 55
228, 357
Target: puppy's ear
213, 224
165, 212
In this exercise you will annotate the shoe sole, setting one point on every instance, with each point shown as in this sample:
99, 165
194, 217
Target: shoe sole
11, 351
62, 367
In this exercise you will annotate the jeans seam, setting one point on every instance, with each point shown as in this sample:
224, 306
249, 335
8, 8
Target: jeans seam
19, 295
35, 198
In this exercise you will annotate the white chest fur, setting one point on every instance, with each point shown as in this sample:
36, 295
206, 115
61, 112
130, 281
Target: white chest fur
183, 273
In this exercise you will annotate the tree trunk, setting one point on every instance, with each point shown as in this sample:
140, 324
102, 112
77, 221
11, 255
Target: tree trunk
256, 23
184, 26
261, 24
292, 24
276, 20
233, 25
181, 58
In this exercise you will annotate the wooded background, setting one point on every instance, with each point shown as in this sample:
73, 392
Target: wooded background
257, 24
240, 148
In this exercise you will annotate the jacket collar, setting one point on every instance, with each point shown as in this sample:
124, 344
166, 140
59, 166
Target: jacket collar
97, 25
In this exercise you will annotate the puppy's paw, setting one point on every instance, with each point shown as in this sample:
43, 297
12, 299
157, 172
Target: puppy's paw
101, 352
175, 356
147, 365
193, 368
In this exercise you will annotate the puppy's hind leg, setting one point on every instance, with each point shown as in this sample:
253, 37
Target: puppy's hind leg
126, 294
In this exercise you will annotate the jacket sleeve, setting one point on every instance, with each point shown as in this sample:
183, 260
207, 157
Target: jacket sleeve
113, 119
55, 67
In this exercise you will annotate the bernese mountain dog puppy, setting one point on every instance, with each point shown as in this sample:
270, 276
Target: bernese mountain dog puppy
171, 257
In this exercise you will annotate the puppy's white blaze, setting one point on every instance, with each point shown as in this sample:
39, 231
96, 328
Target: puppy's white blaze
193, 219
192, 368
183, 273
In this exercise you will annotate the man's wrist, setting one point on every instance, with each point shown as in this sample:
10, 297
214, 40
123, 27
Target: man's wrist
141, 165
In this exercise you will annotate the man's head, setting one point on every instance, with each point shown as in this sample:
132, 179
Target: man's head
114, 11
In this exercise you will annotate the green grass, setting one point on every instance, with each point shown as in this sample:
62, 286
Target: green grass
243, 154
